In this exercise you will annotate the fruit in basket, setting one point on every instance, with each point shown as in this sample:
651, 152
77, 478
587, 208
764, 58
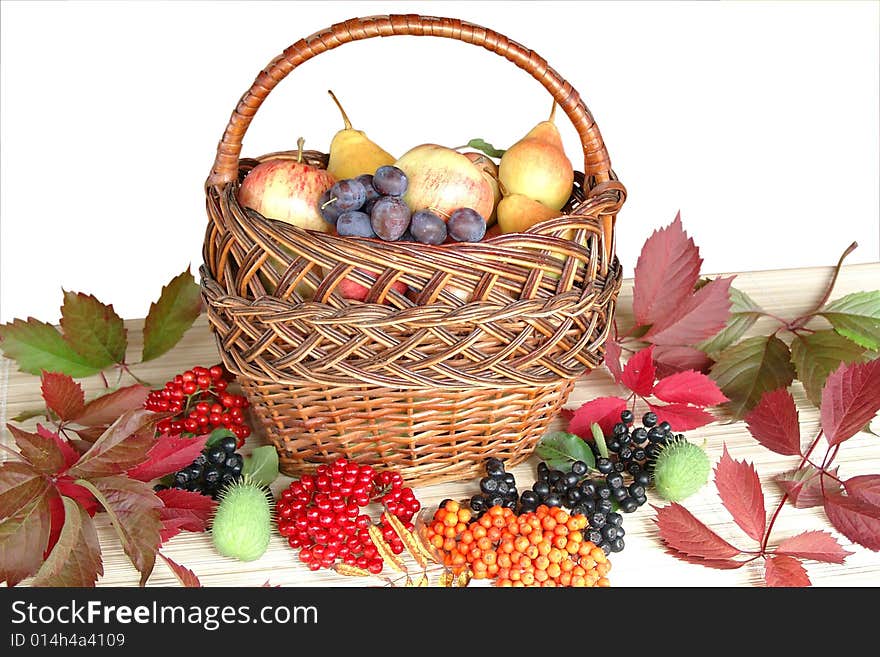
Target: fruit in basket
348, 288
355, 223
287, 190
390, 181
443, 180
490, 172
352, 153
427, 227
517, 213
347, 194
466, 225
242, 523
537, 167
390, 218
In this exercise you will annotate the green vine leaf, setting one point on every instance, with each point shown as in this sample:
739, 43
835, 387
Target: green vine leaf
857, 317
93, 329
169, 318
37, 346
744, 312
560, 449
262, 465
217, 435
818, 354
485, 147
747, 370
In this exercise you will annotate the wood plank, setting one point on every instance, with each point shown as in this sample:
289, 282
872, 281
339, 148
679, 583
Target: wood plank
643, 562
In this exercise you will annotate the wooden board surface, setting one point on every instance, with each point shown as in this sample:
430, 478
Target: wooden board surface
642, 563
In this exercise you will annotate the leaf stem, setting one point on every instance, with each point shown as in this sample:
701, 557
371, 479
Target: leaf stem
800, 321
104, 379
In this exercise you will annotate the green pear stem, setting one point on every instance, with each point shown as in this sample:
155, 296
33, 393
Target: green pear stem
299, 149
341, 111
552, 112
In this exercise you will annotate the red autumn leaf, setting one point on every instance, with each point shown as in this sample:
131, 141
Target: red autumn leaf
107, 408
76, 558
670, 359
681, 417
267, 585
804, 487
850, 399
63, 395
719, 564
69, 488
168, 455
638, 373
45, 451
612, 359
697, 317
565, 414
865, 488
855, 518
689, 388
183, 510
681, 531
56, 522
184, 575
740, 491
603, 410
785, 571
124, 445
666, 272
815, 545
774, 423
23, 538
20, 484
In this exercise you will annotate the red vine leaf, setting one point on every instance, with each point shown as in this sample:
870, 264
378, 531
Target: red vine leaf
698, 317
855, 518
107, 408
184, 575
785, 571
183, 510
689, 387
168, 455
850, 399
719, 564
24, 536
612, 359
774, 423
682, 417
865, 488
69, 488
124, 445
603, 410
45, 451
63, 395
670, 359
740, 490
815, 545
804, 487
20, 485
682, 532
639, 373
666, 272
76, 558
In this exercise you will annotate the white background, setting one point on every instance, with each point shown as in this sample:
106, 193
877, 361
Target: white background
758, 120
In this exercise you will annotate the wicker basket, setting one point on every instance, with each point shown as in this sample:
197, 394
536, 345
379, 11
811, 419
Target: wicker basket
474, 361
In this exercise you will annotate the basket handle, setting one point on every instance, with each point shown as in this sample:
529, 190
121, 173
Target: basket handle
596, 160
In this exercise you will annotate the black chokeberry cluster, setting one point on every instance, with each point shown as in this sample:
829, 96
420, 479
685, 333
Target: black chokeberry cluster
635, 449
497, 488
215, 468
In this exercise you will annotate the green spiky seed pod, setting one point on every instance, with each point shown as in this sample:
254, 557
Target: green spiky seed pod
243, 521
680, 470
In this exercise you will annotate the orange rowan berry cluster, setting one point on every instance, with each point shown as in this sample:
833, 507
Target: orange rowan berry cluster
541, 548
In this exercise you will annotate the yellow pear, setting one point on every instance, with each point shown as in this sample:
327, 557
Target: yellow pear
517, 213
536, 166
352, 153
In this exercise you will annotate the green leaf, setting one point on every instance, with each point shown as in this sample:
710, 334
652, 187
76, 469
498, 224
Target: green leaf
76, 558
134, 511
599, 438
169, 318
93, 329
262, 465
485, 147
217, 435
560, 449
747, 370
24, 416
744, 312
37, 346
818, 354
857, 317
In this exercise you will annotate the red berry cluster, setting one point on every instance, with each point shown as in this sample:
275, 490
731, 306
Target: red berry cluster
320, 514
199, 400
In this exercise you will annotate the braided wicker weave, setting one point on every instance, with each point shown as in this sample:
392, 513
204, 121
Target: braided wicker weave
473, 361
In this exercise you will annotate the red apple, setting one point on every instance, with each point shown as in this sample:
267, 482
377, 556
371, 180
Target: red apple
287, 190
490, 172
349, 289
